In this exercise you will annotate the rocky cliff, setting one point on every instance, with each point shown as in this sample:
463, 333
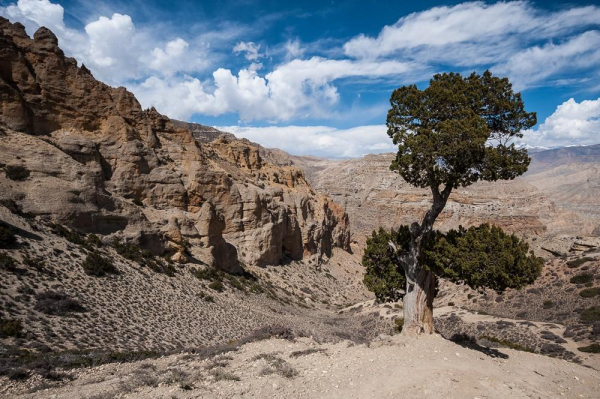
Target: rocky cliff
87, 155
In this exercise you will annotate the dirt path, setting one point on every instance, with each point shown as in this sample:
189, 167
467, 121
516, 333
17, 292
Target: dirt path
391, 367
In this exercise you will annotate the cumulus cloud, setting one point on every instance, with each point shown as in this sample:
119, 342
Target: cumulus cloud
111, 47
323, 141
572, 123
251, 51
292, 89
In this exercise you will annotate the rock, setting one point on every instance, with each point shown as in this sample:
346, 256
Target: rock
101, 164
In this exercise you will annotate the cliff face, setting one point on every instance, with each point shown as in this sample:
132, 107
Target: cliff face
374, 196
96, 161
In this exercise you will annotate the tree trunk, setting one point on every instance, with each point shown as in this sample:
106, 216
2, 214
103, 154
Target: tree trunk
420, 282
418, 301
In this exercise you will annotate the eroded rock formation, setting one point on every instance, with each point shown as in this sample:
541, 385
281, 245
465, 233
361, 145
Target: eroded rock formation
99, 163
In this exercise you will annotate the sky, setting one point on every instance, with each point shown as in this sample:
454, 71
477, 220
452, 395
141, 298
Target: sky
315, 77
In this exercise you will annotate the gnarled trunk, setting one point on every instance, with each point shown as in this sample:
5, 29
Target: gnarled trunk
420, 281
418, 303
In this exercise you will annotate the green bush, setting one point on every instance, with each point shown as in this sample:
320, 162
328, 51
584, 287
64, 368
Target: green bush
581, 279
398, 324
590, 315
216, 285
507, 343
96, 265
548, 304
94, 240
573, 264
70, 235
16, 172
144, 257
589, 292
10, 328
593, 348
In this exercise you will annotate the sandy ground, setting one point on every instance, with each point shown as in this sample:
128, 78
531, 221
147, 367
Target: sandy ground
390, 367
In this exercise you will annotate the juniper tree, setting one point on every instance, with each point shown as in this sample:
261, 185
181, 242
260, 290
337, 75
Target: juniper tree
452, 134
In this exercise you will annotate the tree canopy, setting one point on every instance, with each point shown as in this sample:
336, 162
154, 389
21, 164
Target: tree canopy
457, 131
482, 256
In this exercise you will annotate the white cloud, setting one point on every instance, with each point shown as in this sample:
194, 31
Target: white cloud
251, 51
323, 141
296, 88
536, 64
572, 123
114, 50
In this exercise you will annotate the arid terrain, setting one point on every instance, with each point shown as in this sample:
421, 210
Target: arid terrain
147, 257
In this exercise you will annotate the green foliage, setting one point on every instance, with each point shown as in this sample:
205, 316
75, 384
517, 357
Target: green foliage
94, 240
581, 279
590, 292
70, 235
217, 286
593, 348
383, 276
131, 251
548, 304
97, 265
573, 264
398, 324
10, 328
590, 315
507, 343
444, 132
16, 172
484, 256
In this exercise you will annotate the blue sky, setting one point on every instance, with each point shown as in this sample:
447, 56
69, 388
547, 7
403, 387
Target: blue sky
314, 77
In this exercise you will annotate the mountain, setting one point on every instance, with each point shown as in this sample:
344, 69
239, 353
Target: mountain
99, 163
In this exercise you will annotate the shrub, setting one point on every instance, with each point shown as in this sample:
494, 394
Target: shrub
581, 279
507, 343
573, 264
134, 253
10, 328
57, 303
548, 304
16, 172
398, 324
589, 292
451, 304
590, 315
7, 236
94, 240
593, 348
96, 265
69, 235
216, 285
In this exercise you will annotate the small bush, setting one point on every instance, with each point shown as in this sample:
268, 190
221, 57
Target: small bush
573, 264
94, 240
217, 286
593, 348
548, 304
16, 172
70, 235
57, 303
590, 315
96, 265
7, 236
581, 279
589, 292
398, 324
134, 253
221, 375
507, 343
10, 328
34, 263
450, 303
307, 352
